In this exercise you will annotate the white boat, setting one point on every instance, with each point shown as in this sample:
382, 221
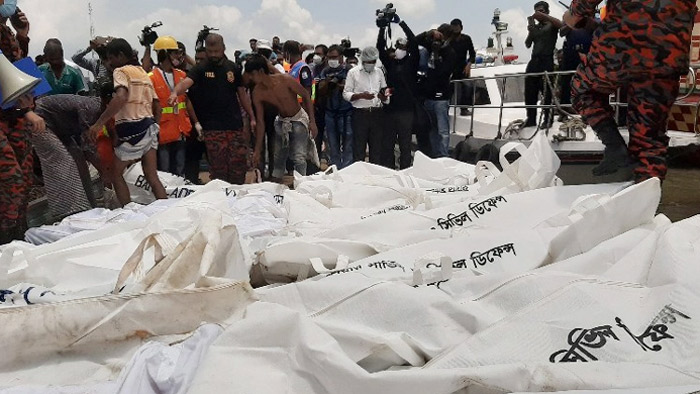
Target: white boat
499, 101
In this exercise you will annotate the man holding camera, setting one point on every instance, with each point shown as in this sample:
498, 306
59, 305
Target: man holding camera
542, 38
436, 89
365, 88
401, 72
337, 111
642, 46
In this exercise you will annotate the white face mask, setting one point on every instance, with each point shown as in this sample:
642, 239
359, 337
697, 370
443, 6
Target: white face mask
333, 63
400, 53
369, 67
318, 60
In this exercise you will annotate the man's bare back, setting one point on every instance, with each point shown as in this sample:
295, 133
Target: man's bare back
280, 93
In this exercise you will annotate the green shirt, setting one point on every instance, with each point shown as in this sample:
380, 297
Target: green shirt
70, 82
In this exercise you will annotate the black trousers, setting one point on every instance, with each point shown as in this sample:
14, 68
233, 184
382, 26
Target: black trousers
421, 127
465, 90
368, 129
399, 127
194, 151
320, 115
534, 85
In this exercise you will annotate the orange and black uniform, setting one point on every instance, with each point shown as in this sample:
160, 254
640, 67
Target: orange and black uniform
16, 159
642, 46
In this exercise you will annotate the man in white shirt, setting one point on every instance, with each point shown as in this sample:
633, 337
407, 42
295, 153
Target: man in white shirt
365, 88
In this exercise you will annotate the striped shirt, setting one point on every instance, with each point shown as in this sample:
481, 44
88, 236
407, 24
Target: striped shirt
141, 94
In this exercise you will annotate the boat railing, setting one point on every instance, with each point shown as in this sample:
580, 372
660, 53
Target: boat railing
549, 88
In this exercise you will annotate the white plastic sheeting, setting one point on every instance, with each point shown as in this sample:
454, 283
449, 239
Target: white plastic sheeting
444, 278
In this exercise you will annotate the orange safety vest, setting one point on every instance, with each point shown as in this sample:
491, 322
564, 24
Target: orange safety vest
174, 121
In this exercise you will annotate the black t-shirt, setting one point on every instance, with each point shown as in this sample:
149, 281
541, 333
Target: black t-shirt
436, 85
464, 48
216, 99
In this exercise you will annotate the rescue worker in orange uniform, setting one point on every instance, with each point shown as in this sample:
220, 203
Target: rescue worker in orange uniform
175, 125
16, 159
642, 46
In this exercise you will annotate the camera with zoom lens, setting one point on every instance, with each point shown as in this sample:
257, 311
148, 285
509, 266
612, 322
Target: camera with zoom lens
348, 50
385, 15
203, 34
148, 35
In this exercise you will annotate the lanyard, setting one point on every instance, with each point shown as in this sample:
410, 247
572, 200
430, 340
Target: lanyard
162, 74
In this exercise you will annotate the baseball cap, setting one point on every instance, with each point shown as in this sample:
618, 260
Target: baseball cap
264, 44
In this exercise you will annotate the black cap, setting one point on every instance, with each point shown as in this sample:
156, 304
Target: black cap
456, 22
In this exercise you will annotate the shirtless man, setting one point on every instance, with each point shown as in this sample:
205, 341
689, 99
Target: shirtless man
294, 123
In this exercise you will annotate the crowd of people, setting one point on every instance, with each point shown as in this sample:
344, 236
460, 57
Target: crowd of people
280, 106
277, 107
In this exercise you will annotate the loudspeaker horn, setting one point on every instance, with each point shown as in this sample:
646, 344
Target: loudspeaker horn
13, 82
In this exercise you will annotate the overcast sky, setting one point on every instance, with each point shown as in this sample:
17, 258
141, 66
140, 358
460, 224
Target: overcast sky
308, 21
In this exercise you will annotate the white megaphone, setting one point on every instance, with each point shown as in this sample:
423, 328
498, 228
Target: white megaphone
13, 82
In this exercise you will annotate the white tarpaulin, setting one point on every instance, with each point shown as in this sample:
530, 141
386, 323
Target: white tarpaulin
443, 278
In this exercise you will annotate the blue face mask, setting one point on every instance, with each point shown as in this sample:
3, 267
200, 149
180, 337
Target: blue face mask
8, 9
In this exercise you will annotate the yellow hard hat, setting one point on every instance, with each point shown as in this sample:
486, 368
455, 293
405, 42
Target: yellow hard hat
166, 43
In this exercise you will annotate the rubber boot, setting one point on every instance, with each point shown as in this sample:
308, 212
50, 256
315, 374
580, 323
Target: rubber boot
10, 230
615, 155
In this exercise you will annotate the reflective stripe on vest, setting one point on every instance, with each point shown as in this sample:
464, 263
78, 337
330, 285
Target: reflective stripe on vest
171, 110
174, 121
295, 72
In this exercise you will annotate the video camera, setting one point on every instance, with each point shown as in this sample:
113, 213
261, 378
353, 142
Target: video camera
148, 35
386, 15
348, 50
202, 36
